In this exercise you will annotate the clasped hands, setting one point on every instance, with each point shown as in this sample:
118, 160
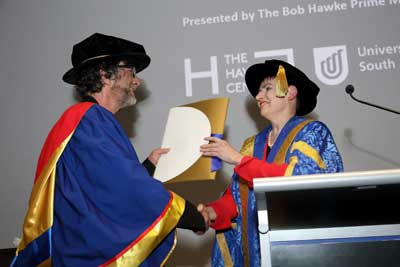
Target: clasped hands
223, 150
208, 214
215, 148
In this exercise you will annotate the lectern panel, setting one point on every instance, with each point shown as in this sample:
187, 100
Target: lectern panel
334, 207
369, 254
344, 219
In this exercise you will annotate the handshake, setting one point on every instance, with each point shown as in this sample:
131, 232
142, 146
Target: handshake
194, 221
209, 216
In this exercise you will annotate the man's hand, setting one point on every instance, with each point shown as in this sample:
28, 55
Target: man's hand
156, 154
209, 215
221, 149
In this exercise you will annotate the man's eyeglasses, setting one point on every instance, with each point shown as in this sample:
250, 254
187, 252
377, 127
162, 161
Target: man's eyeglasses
132, 67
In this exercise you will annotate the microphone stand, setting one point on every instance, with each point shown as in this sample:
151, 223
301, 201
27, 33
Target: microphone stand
350, 91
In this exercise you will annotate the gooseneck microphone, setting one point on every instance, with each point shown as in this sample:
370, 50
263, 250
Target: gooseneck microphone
350, 91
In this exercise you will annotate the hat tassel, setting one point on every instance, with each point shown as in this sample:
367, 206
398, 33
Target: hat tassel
281, 84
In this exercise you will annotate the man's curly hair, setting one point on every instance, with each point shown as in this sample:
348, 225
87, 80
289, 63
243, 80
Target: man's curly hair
90, 79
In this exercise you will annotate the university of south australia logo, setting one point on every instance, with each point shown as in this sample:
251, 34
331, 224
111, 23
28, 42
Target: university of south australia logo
331, 65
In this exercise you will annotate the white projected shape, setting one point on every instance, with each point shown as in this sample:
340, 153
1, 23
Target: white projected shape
184, 134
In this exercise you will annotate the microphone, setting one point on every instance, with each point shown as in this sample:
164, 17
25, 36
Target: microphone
350, 90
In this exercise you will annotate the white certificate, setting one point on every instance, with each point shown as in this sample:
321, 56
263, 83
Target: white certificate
184, 134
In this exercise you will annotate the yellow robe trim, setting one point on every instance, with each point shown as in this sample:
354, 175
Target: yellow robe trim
246, 150
244, 196
248, 146
310, 152
170, 251
281, 155
142, 249
39, 217
46, 263
223, 247
292, 162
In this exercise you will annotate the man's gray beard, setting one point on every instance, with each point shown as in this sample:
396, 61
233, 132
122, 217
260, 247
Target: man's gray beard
129, 101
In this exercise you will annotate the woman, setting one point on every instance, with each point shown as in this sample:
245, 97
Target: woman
290, 145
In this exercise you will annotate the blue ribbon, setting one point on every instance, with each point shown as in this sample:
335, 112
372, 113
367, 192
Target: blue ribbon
216, 163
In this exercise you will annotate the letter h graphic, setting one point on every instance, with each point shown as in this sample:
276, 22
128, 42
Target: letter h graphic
213, 74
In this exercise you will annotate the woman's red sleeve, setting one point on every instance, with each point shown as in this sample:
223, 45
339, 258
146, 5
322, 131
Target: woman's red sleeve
225, 208
250, 167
